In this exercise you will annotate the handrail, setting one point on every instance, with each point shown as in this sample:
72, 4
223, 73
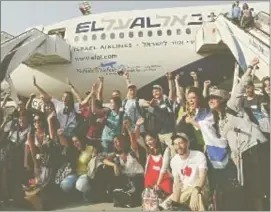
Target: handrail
33, 29
264, 13
6, 33
225, 16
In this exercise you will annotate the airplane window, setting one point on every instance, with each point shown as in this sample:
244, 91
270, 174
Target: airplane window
103, 36
121, 35
85, 37
131, 34
76, 39
94, 37
140, 34
188, 31
159, 32
112, 35
178, 32
169, 32
149, 33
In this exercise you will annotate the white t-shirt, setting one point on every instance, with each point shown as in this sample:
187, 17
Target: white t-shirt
65, 120
188, 169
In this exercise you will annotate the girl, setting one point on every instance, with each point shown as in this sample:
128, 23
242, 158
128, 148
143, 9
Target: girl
154, 165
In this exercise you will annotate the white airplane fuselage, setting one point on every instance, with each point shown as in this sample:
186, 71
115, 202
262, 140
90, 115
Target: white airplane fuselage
146, 43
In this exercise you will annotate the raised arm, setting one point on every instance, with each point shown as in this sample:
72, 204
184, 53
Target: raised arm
52, 129
101, 88
127, 78
94, 109
172, 91
206, 86
139, 122
74, 92
45, 95
63, 141
133, 141
195, 79
236, 97
180, 90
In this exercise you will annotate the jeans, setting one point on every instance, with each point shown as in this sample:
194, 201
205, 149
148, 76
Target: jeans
68, 184
81, 183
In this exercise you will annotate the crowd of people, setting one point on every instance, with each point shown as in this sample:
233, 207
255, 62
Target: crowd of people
195, 149
242, 17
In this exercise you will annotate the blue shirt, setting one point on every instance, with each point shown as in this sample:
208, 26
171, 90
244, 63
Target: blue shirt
236, 12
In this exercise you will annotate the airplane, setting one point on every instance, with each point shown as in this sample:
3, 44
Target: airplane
147, 43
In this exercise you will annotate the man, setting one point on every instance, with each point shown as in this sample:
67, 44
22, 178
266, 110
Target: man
253, 105
161, 107
189, 169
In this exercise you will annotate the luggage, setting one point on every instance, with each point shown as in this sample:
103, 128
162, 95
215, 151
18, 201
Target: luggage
150, 200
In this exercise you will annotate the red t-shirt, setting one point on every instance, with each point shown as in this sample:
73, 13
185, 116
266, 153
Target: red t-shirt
96, 124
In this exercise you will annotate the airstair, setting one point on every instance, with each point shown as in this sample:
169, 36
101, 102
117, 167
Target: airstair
33, 48
244, 45
5, 36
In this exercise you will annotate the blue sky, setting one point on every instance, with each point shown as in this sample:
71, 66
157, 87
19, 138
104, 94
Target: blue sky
17, 16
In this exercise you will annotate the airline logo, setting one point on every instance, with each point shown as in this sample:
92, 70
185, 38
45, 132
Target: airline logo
139, 22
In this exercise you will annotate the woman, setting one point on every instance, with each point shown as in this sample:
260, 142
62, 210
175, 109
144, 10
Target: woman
66, 110
43, 152
222, 172
12, 165
113, 120
78, 177
246, 19
196, 110
129, 173
154, 165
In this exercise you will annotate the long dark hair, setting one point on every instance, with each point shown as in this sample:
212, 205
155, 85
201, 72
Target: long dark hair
125, 143
70, 106
217, 118
201, 101
155, 136
43, 122
117, 101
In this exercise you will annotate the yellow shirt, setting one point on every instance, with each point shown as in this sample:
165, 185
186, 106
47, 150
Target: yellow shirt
83, 160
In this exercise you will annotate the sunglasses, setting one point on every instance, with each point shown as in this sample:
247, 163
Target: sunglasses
36, 120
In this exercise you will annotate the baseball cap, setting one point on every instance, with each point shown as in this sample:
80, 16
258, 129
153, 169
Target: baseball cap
220, 93
157, 87
250, 83
179, 135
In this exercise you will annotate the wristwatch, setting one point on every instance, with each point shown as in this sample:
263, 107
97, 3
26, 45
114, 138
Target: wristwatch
250, 66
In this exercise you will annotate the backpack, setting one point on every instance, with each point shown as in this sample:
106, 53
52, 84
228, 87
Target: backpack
138, 108
152, 123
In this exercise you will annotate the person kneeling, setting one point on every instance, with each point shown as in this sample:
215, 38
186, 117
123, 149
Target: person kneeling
189, 169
